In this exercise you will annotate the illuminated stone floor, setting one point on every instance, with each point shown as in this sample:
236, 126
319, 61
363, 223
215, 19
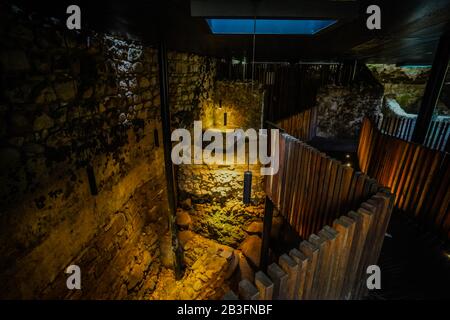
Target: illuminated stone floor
208, 266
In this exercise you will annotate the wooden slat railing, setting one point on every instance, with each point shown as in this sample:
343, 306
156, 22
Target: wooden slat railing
311, 189
313, 192
332, 263
301, 125
417, 175
437, 137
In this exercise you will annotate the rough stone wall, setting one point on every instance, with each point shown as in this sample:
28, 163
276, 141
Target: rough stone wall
220, 183
239, 101
70, 102
191, 84
73, 104
214, 192
405, 85
407, 95
341, 109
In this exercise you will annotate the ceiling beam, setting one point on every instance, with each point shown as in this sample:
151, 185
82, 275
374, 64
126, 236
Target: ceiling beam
274, 9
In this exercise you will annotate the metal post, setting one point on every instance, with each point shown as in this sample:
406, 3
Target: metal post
432, 89
170, 180
267, 226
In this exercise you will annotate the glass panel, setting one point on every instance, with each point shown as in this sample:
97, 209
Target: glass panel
268, 26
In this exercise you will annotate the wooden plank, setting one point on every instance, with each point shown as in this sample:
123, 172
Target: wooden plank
346, 228
436, 161
247, 290
291, 268
408, 177
312, 192
293, 203
279, 279
398, 188
440, 204
308, 191
329, 210
332, 252
304, 180
417, 188
318, 215
351, 192
286, 188
230, 295
302, 263
264, 285
345, 183
311, 252
322, 265
295, 186
358, 241
325, 196
359, 189
364, 248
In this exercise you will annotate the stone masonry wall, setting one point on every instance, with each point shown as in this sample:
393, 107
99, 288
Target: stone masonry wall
191, 84
220, 183
72, 103
211, 195
341, 109
406, 85
241, 103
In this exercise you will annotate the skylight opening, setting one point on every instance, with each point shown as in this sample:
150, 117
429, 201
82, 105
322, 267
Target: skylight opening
268, 26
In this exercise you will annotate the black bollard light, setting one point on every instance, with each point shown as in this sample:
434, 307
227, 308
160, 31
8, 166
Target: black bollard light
247, 187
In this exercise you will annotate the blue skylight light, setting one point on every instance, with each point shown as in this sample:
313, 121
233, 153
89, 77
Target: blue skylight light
414, 66
268, 26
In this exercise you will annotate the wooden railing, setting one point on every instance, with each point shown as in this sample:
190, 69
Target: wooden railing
342, 216
437, 137
301, 125
331, 264
417, 175
311, 190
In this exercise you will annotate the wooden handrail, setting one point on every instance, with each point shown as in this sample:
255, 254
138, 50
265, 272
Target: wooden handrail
311, 189
417, 175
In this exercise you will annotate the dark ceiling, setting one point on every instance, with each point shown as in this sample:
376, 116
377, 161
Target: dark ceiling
409, 32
